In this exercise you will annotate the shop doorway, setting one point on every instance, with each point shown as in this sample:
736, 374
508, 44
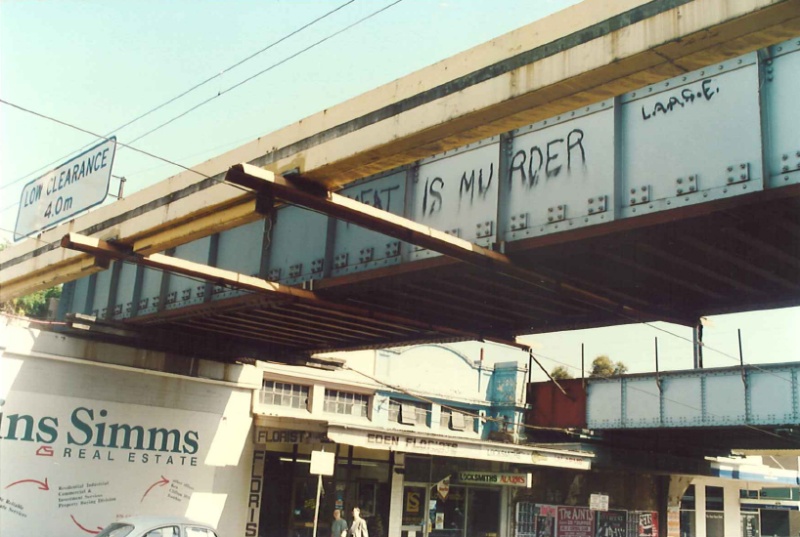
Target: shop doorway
462, 512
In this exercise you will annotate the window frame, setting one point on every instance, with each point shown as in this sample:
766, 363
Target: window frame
332, 403
285, 391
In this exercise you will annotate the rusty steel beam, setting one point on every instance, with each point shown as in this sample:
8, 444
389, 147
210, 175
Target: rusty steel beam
318, 198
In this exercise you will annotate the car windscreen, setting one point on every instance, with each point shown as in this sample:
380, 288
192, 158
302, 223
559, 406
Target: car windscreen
116, 529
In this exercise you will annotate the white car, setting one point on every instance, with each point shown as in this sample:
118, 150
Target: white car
157, 526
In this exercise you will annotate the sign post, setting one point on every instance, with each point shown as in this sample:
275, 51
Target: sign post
322, 463
78, 184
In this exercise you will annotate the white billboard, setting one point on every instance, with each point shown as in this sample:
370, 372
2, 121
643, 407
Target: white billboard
71, 465
78, 184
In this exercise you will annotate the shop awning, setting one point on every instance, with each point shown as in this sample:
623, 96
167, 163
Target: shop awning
757, 473
449, 446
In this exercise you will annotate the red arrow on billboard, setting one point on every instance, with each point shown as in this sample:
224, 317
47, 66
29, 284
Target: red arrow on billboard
42, 486
160, 483
87, 530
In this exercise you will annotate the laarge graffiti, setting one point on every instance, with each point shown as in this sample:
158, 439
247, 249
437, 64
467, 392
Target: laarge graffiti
701, 92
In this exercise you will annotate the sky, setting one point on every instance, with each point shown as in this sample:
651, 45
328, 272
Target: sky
99, 64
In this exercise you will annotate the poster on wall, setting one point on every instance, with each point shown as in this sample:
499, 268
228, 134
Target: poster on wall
611, 524
673, 522
574, 522
642, 523
71, 466
545, 520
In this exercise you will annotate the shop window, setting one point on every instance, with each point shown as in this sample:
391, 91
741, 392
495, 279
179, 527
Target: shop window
351, 404
284, 394
457, 420
687, 513
409, 413
525, 523
715, 517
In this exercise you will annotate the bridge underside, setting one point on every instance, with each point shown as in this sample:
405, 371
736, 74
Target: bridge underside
707, 441
736, 255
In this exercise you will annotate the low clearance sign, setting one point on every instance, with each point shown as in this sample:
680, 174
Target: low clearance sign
76, 185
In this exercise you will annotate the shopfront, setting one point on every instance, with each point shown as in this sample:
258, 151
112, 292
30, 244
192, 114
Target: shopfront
445, 486
435, 487
444, 497
284, 490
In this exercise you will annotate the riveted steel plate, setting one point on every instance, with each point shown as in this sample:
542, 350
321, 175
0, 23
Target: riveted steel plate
182, 291
296, 245
124, 300
357, 248
79, 295
781, 88
642, 403
240, 249
457, 193
607, 415
683, 401
151, 288
561, 173
773, 397
702, 126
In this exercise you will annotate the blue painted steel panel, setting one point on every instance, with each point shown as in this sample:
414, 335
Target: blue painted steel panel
151, 290
240, 250
123, 303
561, 173
683, 401
691, 139
357, 249
642, 402
79, 296
780, 407
724, 399
297, 247
782, 88
99, 306
183, 291
456, 192
757, 395
607, 415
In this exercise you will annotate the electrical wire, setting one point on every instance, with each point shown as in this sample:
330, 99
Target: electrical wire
72, 126
186, 92
271, 67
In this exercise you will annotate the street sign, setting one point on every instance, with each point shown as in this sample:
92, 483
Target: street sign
78, 184
322, 463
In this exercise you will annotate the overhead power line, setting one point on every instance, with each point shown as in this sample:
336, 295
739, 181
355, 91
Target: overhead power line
271, 67
75, 127
188, 91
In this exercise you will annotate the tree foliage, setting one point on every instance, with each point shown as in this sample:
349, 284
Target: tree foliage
560, 373
32, 305
603, 367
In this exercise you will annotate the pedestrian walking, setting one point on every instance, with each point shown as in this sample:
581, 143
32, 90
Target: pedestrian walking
359, 526
339, 525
